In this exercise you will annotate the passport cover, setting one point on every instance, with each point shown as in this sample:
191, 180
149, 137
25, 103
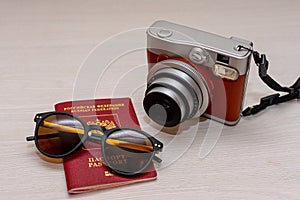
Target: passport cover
85, 170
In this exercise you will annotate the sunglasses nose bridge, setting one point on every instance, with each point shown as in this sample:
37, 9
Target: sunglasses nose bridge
96, 128
95, 133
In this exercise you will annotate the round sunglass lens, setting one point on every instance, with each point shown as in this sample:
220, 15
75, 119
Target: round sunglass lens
59, 134
128, 151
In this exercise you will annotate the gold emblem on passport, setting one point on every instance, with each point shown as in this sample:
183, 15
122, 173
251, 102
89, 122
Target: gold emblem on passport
107, 124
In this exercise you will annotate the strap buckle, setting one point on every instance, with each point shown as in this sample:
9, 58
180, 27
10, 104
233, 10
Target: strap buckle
296, 92
264, 103
261, 62
296, 88
269, 100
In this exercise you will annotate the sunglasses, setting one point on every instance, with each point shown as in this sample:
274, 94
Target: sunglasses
59, 134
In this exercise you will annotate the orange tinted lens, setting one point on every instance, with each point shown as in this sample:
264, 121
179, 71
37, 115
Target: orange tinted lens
59, 134
128, 151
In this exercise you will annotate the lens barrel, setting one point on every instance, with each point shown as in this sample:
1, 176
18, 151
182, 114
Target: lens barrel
175, 92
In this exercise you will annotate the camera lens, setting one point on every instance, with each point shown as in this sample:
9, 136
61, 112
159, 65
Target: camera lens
175, 92
162, 108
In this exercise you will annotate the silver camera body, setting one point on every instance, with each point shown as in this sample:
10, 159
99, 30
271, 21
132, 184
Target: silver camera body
193, 73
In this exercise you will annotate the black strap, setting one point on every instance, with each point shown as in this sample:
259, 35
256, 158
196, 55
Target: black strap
293, 91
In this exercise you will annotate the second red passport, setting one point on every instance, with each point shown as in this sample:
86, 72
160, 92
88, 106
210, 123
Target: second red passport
85, 170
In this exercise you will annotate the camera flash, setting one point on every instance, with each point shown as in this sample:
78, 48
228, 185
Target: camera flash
226, 72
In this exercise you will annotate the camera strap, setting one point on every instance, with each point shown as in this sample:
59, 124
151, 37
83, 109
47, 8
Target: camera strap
293, 92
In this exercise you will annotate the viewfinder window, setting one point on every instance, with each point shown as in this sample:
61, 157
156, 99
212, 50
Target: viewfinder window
223, 59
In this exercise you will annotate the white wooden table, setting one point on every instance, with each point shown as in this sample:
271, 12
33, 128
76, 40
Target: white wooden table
42, 46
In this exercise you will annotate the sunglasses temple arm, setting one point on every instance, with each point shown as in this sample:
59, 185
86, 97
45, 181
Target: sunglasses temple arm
30, 138
98, 139
95, 138
157, 159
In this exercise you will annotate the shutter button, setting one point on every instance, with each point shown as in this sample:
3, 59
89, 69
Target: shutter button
164, 33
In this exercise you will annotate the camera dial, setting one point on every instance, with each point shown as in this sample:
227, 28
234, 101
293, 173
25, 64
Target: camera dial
198, 55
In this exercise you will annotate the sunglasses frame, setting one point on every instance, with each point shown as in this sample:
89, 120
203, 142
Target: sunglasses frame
39, 118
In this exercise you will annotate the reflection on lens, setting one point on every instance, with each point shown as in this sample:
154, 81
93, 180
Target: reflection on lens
128, 151
162, 108
59, 134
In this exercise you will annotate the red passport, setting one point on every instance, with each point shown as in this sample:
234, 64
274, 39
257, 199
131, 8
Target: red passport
85, 170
